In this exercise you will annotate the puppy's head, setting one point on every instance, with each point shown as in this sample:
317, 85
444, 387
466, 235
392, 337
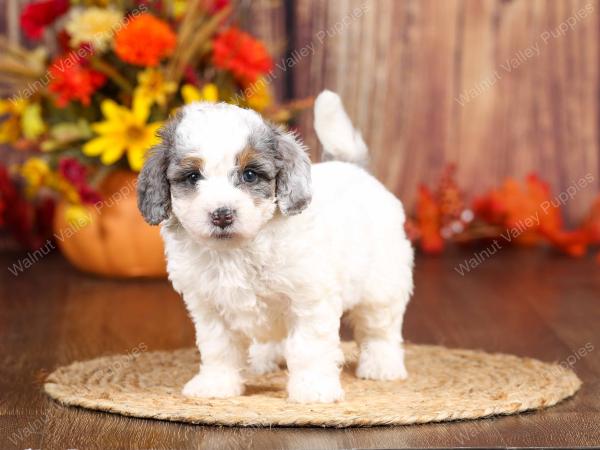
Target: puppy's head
222, 172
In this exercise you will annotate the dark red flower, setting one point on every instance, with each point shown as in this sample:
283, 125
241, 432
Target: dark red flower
72, 170
190, 76
7, 192
36, 16
76, 174
63, 41
88, 195
30, 222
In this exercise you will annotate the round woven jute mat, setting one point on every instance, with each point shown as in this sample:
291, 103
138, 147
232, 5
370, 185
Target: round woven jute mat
443, 384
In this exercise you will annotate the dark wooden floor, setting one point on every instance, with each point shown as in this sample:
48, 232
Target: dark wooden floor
522, 302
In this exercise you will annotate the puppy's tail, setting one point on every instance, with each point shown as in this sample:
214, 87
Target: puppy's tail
335, 131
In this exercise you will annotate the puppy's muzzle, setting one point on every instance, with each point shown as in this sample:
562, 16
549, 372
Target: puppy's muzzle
222, 217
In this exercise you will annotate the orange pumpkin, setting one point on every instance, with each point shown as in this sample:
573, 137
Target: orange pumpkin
116, 242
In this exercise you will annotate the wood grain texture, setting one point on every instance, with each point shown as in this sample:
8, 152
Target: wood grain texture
499, 87
52, 315
266, 19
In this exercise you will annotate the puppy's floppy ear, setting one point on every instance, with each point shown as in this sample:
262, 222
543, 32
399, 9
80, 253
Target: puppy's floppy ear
154, 193
294, 191
153, 189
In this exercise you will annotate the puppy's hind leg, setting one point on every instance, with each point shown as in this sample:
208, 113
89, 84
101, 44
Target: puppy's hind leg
266, 357
378, 333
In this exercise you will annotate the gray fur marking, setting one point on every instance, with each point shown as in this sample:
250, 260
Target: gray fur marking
262, 141
283, 158
294, 191
153, 189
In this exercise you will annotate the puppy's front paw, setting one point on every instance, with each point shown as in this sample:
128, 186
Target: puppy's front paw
315, 388
381, 361
221, 385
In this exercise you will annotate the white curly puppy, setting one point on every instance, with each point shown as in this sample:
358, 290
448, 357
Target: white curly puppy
267, 248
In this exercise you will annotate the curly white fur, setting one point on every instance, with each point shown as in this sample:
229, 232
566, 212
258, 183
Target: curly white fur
283, 291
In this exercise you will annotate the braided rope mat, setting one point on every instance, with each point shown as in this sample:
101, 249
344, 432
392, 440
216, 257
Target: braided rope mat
443, 385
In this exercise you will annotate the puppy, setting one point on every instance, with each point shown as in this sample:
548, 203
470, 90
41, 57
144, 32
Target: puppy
269, 251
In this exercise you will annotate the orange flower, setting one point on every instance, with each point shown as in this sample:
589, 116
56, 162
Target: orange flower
513, 205
238, 52
529, 210
144, 41
429, 220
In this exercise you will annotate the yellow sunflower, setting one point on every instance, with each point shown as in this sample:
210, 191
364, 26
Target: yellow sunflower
258, 95
36, 173
19, 118
153, 87
179, 7
32, 123
208, 93
123, 131
10, 120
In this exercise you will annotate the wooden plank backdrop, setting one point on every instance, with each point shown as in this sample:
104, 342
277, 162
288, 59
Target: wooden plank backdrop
499, 87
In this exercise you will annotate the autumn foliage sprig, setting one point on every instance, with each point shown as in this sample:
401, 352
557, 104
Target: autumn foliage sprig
525, 214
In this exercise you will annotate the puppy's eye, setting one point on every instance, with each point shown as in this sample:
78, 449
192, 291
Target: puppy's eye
249, 176
194, 177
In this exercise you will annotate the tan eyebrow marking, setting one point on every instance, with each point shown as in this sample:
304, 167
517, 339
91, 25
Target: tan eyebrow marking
192, 163
246, 156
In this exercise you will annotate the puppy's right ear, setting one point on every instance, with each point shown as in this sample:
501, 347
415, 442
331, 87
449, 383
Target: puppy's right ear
153, 190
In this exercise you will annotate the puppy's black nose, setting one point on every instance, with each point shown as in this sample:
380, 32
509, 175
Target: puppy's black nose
222, 217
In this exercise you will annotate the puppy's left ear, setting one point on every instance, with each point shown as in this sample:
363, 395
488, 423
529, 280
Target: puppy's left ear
294, 191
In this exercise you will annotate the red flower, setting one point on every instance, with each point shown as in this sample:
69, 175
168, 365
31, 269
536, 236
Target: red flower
238, 52
29, 222
63, 42
215, 6
88, 195
72, 170
190, 76
37, 15
76, 174
7, 193
72, 79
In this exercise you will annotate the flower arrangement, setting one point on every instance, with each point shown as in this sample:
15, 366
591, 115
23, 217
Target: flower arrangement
119, 69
